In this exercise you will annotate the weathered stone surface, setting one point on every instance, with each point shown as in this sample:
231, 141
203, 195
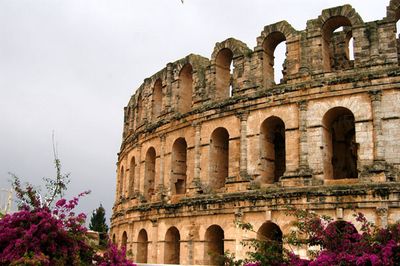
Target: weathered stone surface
207, 142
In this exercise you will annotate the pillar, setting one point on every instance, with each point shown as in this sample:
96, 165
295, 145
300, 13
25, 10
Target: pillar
197, 154
376, 97
303, 149
243, 144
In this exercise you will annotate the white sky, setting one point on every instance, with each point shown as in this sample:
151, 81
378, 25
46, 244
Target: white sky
70, 66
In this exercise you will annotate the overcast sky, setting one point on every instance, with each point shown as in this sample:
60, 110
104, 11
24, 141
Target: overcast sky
70, 66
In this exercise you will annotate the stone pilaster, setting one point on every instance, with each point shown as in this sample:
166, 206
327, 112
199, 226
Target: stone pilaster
382, 213
379, 149
168, 89
243, 143
154, 248
139, 182
303, 149
197, 154
160, 187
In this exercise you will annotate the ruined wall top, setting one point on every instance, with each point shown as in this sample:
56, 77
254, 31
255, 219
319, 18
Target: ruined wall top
336, 44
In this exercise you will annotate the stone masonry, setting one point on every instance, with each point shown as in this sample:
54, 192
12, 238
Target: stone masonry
207, 142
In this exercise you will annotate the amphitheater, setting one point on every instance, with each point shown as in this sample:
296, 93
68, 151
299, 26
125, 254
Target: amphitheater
207, 142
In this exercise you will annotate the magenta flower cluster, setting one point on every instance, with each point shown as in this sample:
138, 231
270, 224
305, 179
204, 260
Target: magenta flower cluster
339, 243
41, 236
342, 244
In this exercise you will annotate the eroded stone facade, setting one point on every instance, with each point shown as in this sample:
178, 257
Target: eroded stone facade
210, 141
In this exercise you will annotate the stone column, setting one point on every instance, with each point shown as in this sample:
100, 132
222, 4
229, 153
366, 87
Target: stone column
132, 119
160, 187
382, 213
193, 240
138, 174
379, 150
303, 149
197, 153
238, 232
153, 250
243, 143
168, 89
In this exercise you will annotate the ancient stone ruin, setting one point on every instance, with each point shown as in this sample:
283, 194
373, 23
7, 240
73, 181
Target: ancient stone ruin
210, 141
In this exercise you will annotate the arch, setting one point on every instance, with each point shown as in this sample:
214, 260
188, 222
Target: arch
214, 244
237, 47
223, 76
339, 135
270, 234
157, 99
113, 238
272, 150
124, 240
172, 246
179, 166
333, 43
223, 55
149, 173
269, 45
132, 167
338, 234
142, 247
219, 158
185, 88
121, 181
271, 37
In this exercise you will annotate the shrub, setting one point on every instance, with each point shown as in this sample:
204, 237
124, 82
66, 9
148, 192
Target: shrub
333, 242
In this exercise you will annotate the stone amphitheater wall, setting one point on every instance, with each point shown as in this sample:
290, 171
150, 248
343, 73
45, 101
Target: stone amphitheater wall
206, 144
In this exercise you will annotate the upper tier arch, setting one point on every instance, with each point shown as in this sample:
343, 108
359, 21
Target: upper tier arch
282, 26
346, 11
237, 47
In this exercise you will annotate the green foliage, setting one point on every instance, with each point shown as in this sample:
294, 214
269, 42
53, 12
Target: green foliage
263, 250
98, 224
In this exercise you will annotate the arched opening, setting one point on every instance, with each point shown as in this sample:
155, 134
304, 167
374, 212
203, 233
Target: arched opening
223, 74
350, 45
186, 89
121, 182
340, 157
142, 247
271, 236
219, 158
336, 36
272, 150
124, 241
214, 245
149, 173
113, 238
179, 166
172, 246
338, 234
157, 99
274, 46
132, 167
